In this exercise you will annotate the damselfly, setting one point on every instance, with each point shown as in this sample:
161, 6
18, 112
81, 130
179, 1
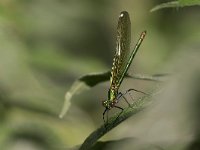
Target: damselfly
121, 62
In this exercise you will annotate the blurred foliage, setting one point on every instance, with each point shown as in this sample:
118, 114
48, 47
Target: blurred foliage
179, 3
45, 45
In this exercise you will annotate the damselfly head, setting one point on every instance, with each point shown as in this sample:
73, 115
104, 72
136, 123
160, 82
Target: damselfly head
106, 104
109, 104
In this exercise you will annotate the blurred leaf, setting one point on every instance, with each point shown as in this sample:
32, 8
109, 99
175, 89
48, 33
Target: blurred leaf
189, 2
165, 5
83, 83
50, 61
30, 134
87, 81
125, 144
179, 3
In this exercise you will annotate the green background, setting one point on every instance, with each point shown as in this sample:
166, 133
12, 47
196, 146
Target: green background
45, 45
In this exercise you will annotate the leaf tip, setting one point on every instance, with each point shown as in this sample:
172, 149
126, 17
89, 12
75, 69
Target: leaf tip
66, 105
62, 113
61, 116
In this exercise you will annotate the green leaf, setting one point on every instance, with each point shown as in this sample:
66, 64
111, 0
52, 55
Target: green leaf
189, 2
165, 5
118, 118
87, 81
179, 3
